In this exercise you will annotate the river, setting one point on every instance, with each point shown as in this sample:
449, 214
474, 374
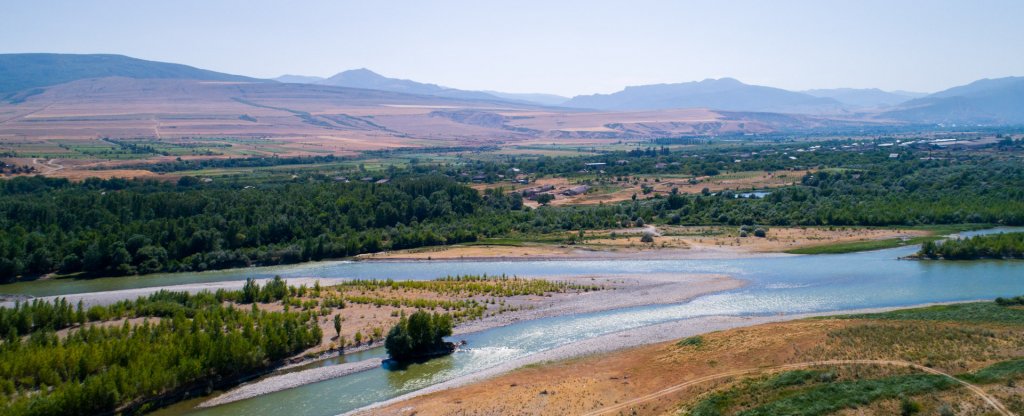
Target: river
777, 285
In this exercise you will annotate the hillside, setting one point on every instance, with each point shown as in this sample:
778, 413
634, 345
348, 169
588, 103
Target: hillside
299, 79
987, 101
718, 94
320, 118
25, 71
367, 79
865, 97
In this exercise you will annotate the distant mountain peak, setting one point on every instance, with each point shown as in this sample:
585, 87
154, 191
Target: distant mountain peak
719, 94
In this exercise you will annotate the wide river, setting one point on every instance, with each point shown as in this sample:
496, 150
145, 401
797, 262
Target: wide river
783, 284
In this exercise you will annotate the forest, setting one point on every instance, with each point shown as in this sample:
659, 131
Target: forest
990, 246
96, 364
123, 227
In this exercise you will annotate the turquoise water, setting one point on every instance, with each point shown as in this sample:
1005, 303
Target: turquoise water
791, 284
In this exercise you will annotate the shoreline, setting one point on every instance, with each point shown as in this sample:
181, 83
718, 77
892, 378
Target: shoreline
113, 296
631, 291
582, 254
626, 339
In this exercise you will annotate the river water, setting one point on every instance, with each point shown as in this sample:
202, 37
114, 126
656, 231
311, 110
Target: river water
785, 284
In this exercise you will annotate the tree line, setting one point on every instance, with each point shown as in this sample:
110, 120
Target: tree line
990, 246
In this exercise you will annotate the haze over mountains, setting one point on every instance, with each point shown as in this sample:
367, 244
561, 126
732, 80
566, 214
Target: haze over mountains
865, 97
723, 94
23, 71
367, 79
38, 80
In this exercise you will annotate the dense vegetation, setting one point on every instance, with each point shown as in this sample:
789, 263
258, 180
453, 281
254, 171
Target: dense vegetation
991, 246
118, 227
421, 334
185, 342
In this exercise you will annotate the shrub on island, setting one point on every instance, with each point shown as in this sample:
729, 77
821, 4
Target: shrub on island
421, 335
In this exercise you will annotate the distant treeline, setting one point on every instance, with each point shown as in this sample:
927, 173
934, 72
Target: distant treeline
251, 162
118, 227
991, 246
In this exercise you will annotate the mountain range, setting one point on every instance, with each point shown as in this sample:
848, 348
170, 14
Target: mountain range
989, 101
720, 94
367, 79
25, 71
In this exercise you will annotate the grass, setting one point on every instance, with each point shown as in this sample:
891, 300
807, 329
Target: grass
976, 312
937, 231
814, 392
694, 341
998, 372
856, 246
832, 397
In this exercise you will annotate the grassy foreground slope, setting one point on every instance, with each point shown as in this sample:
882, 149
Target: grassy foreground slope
903, 362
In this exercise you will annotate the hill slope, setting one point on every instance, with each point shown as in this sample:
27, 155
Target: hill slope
865, 97
987, 101
719, 94
367, 79
24, 71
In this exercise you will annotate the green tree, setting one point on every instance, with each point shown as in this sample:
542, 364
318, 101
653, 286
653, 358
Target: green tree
337, 325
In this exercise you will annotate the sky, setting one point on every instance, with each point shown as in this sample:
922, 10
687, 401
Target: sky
563, 47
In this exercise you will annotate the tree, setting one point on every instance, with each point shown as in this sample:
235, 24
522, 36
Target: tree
544, 199
421, 334
337, 325
250, 291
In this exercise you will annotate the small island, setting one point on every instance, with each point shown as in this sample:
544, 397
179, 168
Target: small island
991, 246
419, 336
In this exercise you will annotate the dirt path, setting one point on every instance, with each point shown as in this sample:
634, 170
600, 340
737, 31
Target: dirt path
48, 166
992, 401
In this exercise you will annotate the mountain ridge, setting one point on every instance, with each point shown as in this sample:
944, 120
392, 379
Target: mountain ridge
26, 71
726, 94
985, 101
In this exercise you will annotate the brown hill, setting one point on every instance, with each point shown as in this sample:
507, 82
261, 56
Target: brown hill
348, 119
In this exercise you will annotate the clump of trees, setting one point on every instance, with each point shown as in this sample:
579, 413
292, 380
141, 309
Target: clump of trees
421, 334
747, 230
1014, 301
991, 246
193, 340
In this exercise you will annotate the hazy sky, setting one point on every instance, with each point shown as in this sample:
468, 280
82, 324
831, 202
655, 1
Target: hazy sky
563, 47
